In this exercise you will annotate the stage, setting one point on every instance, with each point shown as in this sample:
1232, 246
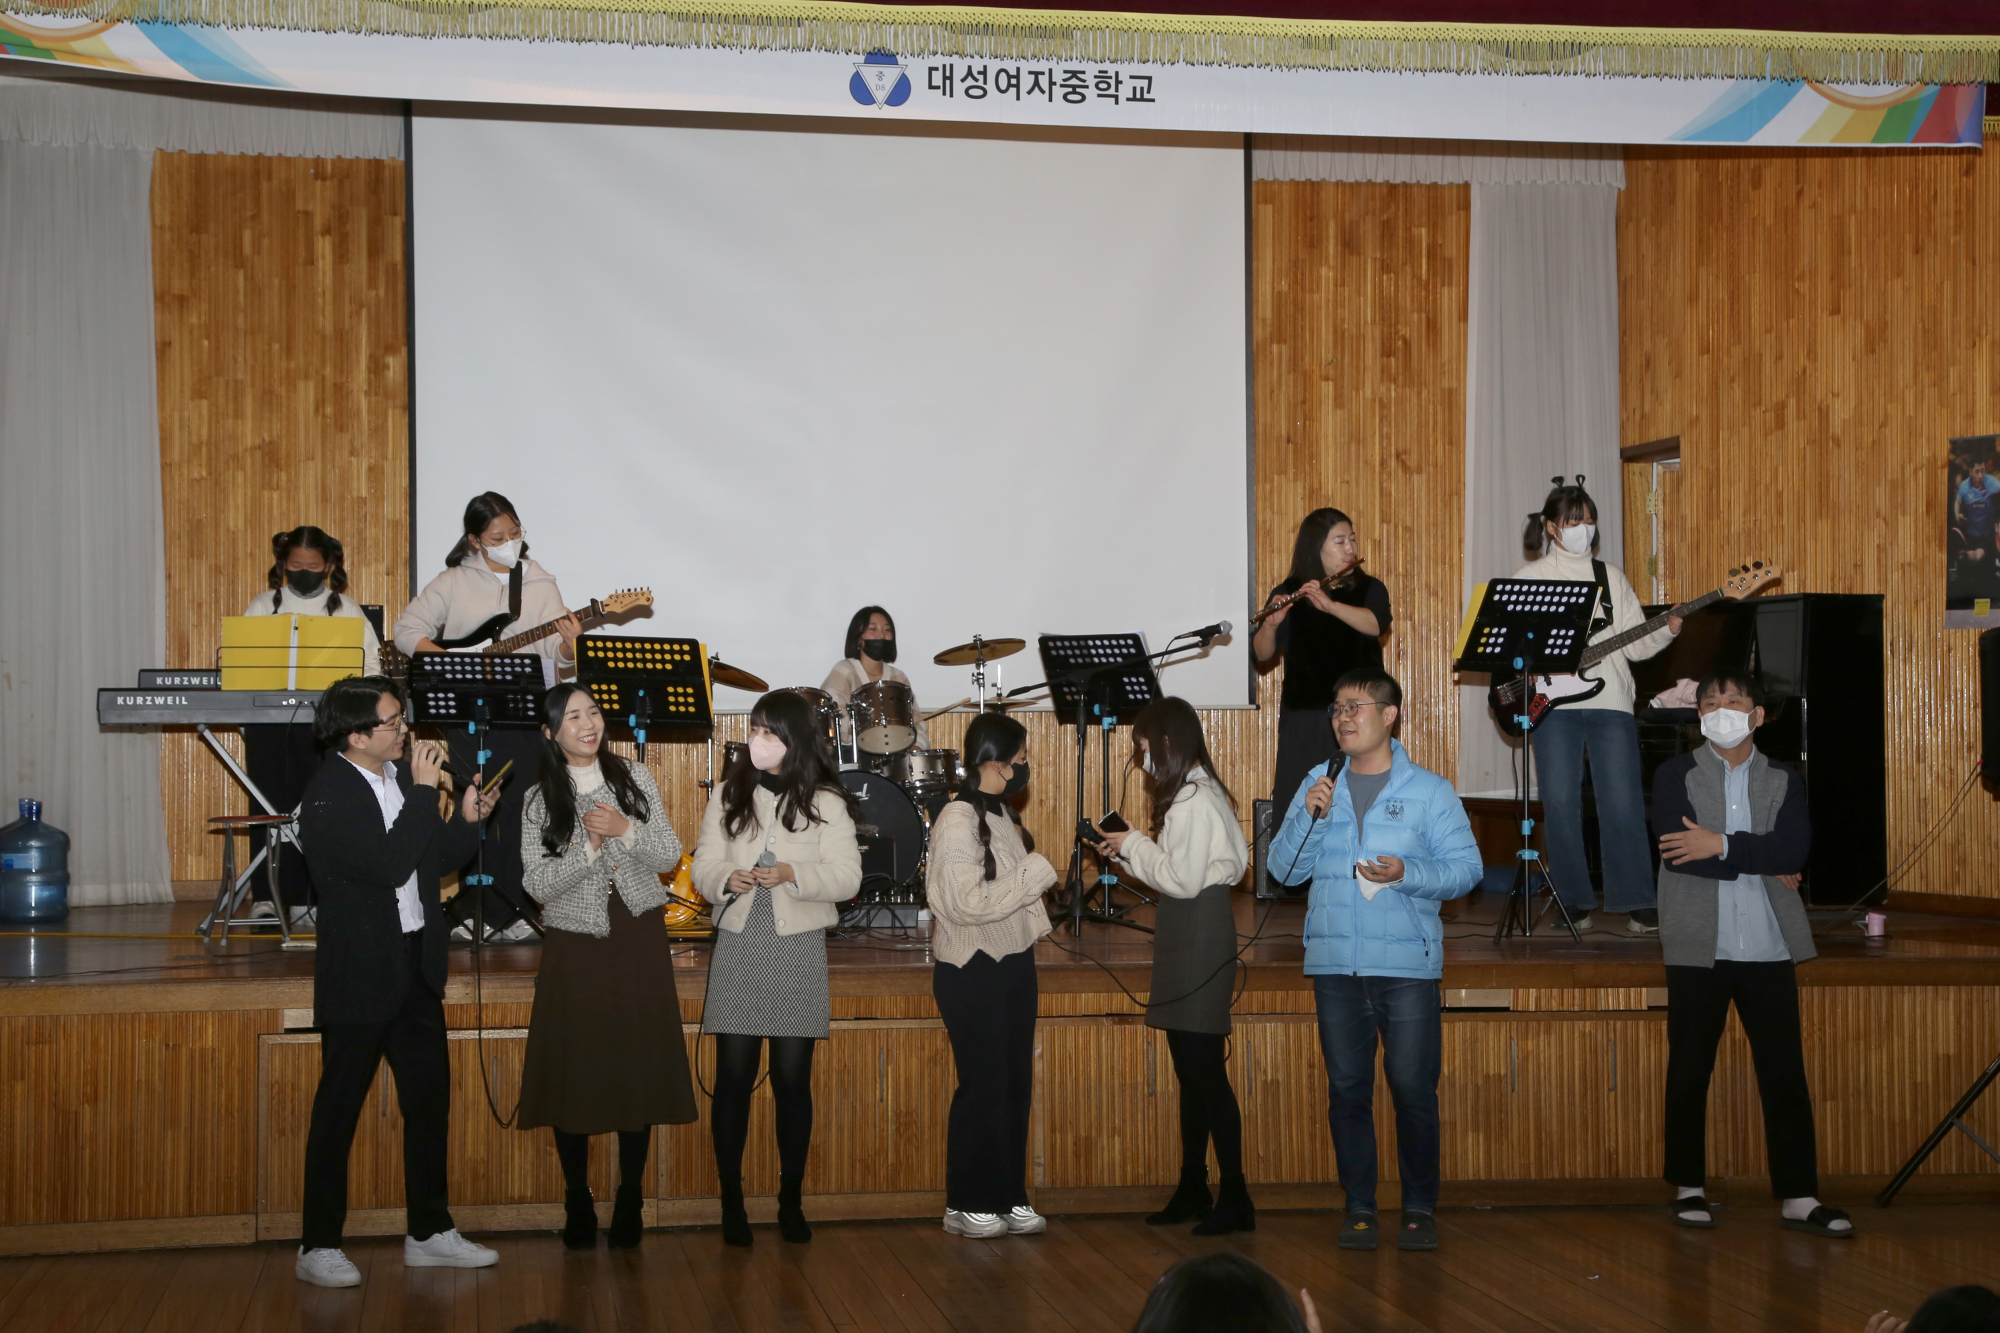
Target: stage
157, 1092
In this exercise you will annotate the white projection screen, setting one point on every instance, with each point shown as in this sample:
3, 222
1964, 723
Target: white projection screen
995, 382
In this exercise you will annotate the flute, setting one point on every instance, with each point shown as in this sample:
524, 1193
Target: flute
1344, 579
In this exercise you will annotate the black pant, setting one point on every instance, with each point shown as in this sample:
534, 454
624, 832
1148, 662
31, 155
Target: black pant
1767, 1000
989, 1009
1208, 1103
281, 759
414, 1043
507, 902
736, 1057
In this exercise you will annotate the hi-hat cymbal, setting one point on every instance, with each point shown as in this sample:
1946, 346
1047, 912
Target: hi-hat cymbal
968, 653
736, 677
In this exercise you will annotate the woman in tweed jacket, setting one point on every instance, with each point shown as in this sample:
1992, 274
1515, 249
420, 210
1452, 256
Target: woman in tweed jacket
604, 1046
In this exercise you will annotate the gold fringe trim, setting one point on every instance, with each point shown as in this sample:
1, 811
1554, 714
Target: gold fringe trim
1990, 127
1108, 38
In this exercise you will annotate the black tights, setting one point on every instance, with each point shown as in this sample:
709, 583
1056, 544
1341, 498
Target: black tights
573, 1151
736, 1058
1208, 1103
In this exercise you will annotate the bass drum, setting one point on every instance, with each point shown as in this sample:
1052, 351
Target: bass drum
893, 833
826, 717
885, 717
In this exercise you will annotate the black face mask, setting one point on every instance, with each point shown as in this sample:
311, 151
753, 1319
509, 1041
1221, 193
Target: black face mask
1019, 782
305, 582
882, 650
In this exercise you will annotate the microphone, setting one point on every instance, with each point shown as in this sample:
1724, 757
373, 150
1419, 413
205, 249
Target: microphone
1209, 633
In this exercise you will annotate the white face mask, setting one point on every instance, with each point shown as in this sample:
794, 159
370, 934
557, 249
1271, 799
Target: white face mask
1579, 539
506, 553
766, 753
1726, 728
1146, 760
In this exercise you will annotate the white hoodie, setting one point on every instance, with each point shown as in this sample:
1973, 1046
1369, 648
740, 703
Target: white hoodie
1558, 565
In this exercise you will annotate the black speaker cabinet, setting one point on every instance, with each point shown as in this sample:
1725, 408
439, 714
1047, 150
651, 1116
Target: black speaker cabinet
1989, 704
1264, 818
1818, 657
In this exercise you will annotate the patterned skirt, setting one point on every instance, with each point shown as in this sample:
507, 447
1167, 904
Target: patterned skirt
763, 984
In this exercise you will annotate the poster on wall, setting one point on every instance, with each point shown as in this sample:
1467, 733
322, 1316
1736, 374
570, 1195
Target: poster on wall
1972, 534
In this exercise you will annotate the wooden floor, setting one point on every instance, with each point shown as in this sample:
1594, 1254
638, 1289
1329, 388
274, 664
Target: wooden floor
1610, 1269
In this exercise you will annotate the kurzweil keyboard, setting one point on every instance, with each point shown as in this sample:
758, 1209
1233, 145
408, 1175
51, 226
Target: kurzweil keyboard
190, 707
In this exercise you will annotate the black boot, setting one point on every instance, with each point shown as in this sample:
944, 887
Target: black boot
735, 1222
1233, 1210
791, 1216
1190, 1201
627, 1218
580, 1230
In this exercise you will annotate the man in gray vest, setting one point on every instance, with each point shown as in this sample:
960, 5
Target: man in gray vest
1734, 834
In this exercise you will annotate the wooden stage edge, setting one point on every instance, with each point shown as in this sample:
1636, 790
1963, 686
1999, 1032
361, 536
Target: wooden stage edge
158, 1092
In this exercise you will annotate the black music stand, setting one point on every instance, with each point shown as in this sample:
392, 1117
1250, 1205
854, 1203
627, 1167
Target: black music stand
1526, 628
646, 682
1105, 676
478, 692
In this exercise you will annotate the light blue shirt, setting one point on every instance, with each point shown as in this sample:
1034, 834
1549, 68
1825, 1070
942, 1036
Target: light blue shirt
1746, 929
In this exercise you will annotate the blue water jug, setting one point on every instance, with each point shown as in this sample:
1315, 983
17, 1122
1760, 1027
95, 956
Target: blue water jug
34, 869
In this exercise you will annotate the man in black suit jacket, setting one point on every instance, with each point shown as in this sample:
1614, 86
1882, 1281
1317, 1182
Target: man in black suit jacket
376, 847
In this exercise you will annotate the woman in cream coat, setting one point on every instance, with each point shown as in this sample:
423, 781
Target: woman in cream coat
1193, 855
777, 851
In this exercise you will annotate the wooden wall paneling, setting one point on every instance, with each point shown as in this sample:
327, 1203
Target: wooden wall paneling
282, 364
1813, 324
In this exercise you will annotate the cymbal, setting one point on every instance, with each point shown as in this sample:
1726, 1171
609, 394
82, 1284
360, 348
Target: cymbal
968, 653
735, 677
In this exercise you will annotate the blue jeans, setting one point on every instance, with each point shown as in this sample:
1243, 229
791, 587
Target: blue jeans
1408, 1016
1611, 738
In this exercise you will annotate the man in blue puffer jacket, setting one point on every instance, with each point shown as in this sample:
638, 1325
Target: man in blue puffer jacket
1383, 844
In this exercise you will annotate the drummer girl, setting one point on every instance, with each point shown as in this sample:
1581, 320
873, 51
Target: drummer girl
870, 657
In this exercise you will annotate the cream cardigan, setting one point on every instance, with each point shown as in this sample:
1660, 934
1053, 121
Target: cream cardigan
1200, 844
469, 594
823, 855
971, 913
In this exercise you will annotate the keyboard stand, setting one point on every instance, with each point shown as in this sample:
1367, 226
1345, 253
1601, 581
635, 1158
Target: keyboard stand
232, 888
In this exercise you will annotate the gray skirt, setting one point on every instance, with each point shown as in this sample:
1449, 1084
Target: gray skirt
1194, 962
763, 984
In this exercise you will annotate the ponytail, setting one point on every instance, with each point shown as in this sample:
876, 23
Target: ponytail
1566, 503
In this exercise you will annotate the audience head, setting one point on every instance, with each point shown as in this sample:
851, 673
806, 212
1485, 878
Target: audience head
1968, 1309
1219, 1293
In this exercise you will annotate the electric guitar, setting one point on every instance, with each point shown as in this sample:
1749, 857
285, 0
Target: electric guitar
596, 613
1553, 691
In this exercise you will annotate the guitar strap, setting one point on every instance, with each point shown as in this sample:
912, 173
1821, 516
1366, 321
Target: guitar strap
514, 592
1604, 598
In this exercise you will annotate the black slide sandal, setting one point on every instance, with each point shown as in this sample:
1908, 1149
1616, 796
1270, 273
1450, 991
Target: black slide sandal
1694, 1203
1819, 1222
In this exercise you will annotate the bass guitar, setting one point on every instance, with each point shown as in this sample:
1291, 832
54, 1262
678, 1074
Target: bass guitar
1553, 691
596, 613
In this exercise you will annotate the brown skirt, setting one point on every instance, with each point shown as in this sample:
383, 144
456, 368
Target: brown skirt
605, 1051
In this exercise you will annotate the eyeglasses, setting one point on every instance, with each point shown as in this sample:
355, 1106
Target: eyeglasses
1352, 708
400, 722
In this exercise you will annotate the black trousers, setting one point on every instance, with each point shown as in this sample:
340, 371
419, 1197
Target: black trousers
414, 1043
989, 1010
1766, 996
281, 759
507, 901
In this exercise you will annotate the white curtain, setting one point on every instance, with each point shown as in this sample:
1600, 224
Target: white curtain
65, 111
1541, 395
1309, 157
82, 592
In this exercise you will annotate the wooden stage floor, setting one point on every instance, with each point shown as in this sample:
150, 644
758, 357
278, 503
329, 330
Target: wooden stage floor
1529, 1269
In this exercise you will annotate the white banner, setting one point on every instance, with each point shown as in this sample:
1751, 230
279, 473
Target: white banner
882, 86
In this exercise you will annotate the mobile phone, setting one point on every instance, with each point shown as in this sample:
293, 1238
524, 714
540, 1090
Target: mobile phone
1114, 823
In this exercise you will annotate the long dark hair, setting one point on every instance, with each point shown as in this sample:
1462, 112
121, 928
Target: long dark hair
1967, 1309
1306, 565
1567, 502
480, 511
1172, 732
1223, 1290
559, 794
993, 738
805, 772
859, 623
309, 538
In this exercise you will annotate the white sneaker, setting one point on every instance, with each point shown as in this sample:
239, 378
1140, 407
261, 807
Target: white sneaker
979, 1226
1023, 1220
521, 932
263, 911
1581, 920
326, 1268
447, 1249
461, 932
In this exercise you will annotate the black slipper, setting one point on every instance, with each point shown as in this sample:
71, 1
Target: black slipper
1820, 1223
1360, 1232
1694, 1203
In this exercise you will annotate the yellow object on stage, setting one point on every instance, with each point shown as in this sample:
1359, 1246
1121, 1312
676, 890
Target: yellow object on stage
289, 652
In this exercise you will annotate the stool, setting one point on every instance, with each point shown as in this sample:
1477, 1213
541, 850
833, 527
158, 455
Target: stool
230, 891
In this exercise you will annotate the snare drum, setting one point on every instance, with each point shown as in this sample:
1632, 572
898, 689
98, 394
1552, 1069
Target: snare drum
891, 830
932, 773
885, 717
825, 713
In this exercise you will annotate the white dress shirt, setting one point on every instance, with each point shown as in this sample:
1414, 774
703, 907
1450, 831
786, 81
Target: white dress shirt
1746, 928
390, 797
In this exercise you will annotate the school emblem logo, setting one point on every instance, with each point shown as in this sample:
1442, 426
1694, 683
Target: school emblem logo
880, 80
1393, 810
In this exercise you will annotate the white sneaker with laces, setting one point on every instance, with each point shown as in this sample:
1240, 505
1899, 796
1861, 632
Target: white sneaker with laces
447, 1249
520, 932
1023, 1220
326, 1268
979, 1226
461, 932
263, 911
